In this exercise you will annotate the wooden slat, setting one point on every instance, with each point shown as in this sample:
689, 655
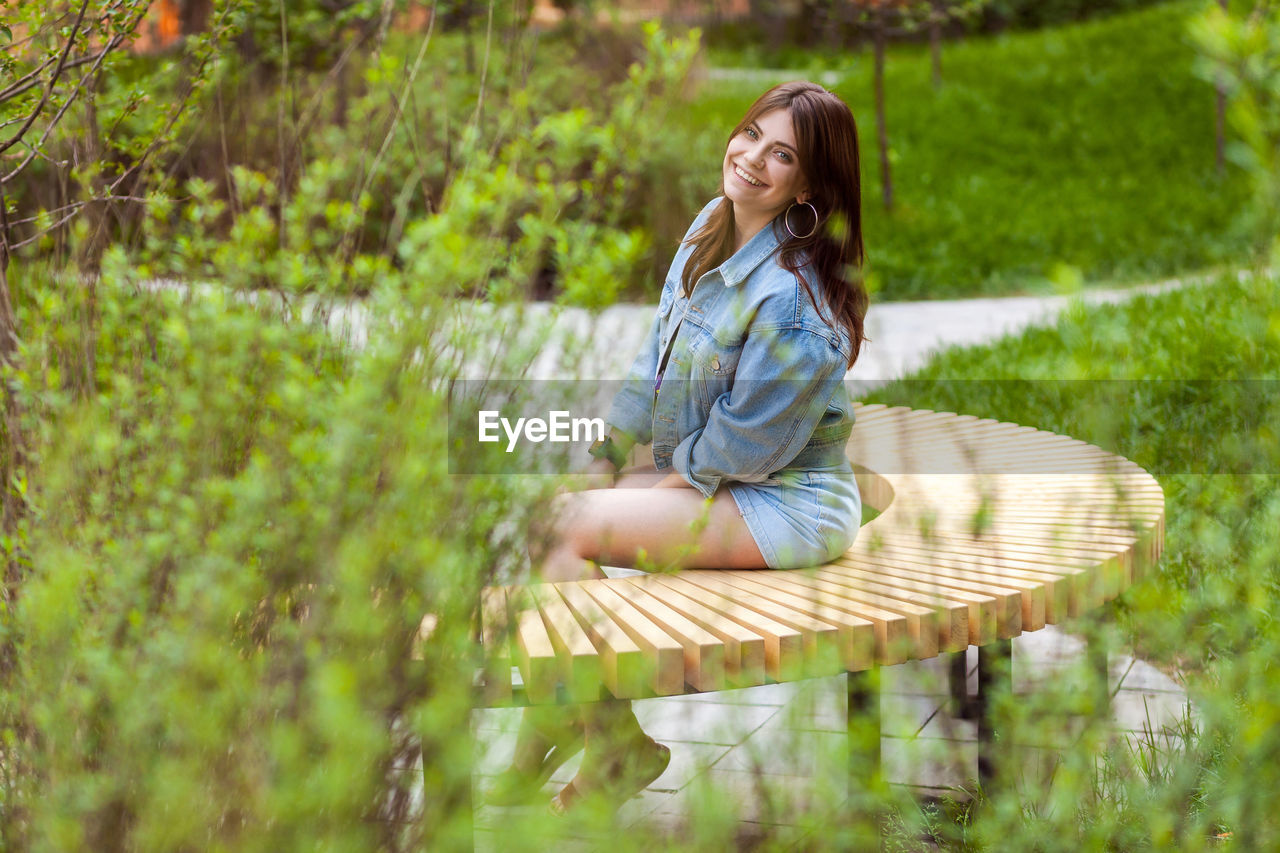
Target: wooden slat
495, 635
923, 622
1062, 588
870, 630
623, 666
827, 644
704, 652
663, 651
579, 663
950, 619
783, 644
535, 653
989, 613
745, 651
1106, 571
992, 557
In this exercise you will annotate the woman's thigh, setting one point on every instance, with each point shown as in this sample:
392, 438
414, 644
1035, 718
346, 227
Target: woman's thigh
664, 527
640, 477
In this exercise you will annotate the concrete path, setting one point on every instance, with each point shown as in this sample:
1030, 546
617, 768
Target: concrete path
778, 751
902, 335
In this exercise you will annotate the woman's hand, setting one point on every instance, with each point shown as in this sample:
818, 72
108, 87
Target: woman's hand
672, 481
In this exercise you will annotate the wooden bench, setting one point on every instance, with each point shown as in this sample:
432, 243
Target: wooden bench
986, 530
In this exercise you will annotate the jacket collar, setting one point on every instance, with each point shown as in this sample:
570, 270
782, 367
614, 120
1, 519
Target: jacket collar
745, 260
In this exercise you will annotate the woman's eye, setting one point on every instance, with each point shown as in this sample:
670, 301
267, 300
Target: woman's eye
784, 156
751, 132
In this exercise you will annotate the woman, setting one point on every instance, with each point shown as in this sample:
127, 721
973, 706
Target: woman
739, 389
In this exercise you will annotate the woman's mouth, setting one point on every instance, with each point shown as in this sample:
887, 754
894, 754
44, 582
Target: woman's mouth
737, 170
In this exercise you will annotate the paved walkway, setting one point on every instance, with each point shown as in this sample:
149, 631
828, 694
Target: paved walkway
777, 751
902, 335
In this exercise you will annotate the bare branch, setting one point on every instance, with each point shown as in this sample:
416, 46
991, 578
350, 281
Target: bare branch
57, 72
177, 111
72, 208
28, 82
111, 45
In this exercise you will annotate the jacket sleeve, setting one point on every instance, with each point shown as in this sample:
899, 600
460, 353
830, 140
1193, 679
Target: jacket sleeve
761, 424
632, 409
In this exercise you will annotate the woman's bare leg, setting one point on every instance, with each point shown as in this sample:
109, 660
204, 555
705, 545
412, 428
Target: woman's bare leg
632, 522
642, 477
662, 526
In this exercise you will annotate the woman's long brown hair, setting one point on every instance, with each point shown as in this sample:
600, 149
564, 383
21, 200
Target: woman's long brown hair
827, 144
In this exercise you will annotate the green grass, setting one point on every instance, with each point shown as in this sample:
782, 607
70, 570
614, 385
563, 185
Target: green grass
1187, 384
1084, 152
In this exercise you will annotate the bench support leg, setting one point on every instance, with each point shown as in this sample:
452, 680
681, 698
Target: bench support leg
964, 706
863, 725
866, 781
1097, 654
995, 672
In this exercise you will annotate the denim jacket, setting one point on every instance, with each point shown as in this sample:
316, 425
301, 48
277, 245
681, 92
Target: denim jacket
753, 382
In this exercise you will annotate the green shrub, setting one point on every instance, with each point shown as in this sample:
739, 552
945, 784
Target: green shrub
213, 635
1044, 13
1187, 384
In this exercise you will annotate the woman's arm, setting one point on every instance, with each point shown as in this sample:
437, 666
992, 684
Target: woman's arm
786, 379
672, 481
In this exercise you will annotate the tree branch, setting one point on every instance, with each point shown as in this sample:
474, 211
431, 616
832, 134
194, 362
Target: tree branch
27, 81
111, 45
57, 72
172, 120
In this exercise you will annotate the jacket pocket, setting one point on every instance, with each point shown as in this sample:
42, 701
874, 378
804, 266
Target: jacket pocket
715, 365
714, 357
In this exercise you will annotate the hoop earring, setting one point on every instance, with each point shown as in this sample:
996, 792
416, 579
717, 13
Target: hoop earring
786, 220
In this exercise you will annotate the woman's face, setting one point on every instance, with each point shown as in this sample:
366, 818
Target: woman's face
762, 174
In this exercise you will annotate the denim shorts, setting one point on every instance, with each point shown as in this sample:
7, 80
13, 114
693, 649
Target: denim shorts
801, 518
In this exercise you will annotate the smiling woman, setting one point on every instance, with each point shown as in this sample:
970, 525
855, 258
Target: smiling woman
761, 175
739, 390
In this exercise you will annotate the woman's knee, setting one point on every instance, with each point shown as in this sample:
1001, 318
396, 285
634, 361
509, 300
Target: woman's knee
569, 528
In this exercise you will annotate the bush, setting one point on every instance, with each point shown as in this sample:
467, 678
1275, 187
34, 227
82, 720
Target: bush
1028, 14
240, 604
1185, 384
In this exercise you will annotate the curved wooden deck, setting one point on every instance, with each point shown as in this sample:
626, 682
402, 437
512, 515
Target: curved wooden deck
986, 530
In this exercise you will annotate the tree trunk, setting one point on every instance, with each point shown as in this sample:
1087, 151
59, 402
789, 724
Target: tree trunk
89, 155
13, 451
1220, 123
935, 42
882, 131
194, 16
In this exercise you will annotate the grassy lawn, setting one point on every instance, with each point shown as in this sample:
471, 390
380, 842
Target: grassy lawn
1185, 384
1083, 153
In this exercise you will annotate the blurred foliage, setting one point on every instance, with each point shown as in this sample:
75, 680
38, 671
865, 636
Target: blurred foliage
84, 121
1047, 13
1086, 149
1089, 147
1187, 384
1239, 46
238, 522
365, 125
786, 34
